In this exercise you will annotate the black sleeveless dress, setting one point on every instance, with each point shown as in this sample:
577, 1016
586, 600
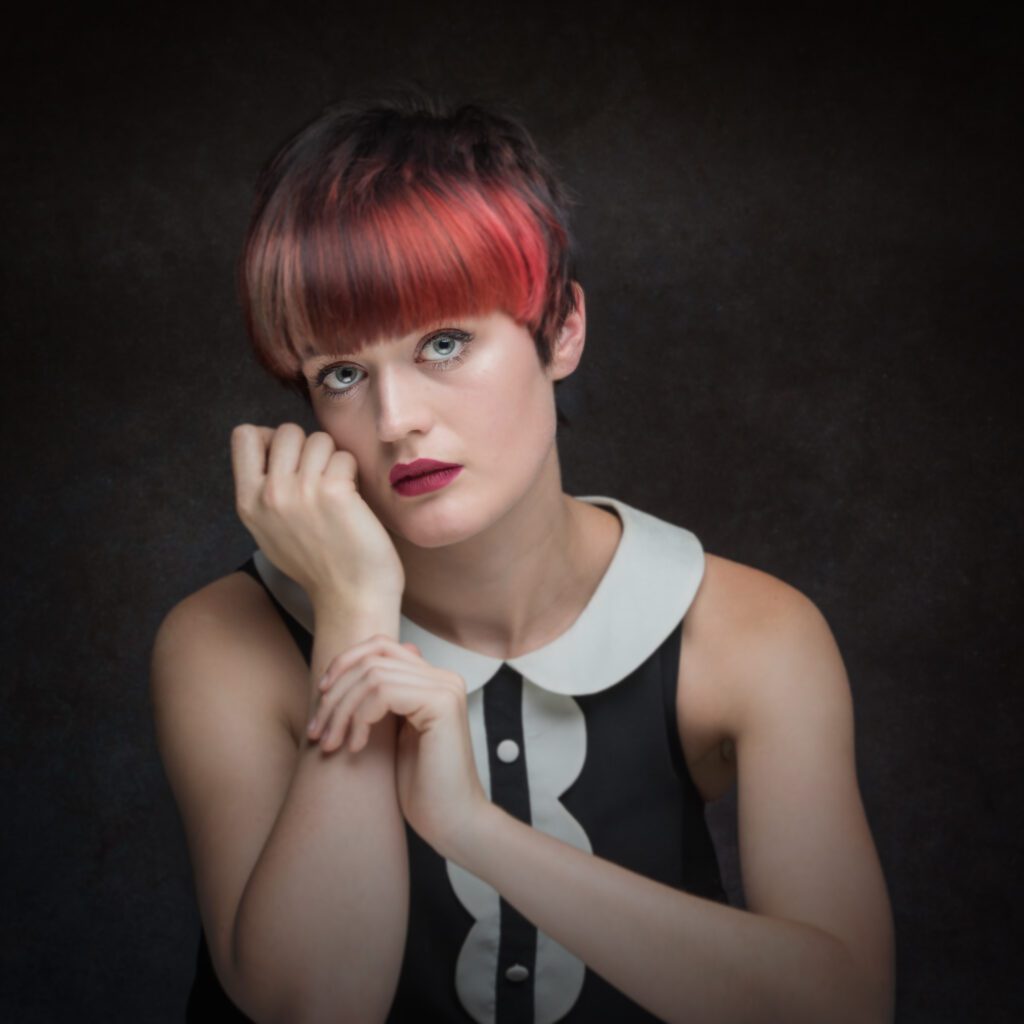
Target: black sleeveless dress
579, 739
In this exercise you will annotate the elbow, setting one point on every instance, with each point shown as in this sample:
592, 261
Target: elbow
861, 994
258, 988
279, 990
265, 998
317, 1006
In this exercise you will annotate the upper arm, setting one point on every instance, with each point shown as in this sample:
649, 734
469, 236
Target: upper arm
219, 661
806, 850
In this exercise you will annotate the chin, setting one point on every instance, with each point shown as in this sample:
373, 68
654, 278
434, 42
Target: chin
433, 531
441, 523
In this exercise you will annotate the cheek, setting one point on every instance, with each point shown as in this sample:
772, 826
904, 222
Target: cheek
345, 437
515, 415
329, 425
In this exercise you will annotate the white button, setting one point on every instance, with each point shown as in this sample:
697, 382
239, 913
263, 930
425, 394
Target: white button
517, 972
508, 751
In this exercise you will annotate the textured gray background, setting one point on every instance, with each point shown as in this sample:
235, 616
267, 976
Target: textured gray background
800, 242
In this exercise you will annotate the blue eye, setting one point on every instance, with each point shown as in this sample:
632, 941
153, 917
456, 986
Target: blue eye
347, 376
446, 339
344, 378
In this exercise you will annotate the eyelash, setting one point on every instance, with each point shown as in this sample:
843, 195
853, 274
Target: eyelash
436, 364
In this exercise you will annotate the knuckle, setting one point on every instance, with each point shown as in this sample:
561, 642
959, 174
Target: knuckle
273, 495
451, 698
344, 458
336, 486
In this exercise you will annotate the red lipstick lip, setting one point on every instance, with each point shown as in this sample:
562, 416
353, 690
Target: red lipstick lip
401, 470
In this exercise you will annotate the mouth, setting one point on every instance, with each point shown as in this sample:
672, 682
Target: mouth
421, 467
422, 476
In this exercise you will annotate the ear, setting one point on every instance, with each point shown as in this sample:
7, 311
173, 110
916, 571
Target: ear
568, 347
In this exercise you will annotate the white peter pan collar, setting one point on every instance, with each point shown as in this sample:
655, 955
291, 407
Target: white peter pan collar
645, 591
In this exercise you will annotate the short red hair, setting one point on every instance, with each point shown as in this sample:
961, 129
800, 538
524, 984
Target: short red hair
379, 218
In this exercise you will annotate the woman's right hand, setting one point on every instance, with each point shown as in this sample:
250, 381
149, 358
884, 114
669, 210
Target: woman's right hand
298, 497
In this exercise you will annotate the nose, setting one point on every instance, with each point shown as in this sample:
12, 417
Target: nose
402, 404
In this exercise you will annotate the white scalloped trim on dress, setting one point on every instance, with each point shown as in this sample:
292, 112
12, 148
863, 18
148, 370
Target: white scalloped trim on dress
555, 739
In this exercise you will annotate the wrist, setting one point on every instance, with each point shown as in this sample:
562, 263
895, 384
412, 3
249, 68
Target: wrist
339, 625
480, 830
367, 616
356, 602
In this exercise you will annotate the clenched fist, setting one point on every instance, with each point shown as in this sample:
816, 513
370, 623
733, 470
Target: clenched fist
298, 497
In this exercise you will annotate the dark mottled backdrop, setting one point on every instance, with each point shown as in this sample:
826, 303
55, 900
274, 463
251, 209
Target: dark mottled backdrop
801, 249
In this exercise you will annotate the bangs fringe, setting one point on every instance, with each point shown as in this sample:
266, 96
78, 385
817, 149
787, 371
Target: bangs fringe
330, 274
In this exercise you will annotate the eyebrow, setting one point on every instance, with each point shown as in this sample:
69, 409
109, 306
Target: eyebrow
343, 352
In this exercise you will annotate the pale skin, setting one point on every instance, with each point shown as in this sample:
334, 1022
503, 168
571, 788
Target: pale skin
502, 561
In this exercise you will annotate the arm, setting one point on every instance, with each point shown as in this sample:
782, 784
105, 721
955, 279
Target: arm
299, 857
816, 942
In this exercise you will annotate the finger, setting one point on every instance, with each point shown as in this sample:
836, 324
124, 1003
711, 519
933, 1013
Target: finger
372, 710
342, 469
337, 687
341, 466
285, 449
316, 454
378, 679
418, 704
327, 703
249, 460
345, 661
376, 644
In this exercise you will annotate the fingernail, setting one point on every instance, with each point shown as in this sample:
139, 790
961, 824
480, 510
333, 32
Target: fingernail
312, 724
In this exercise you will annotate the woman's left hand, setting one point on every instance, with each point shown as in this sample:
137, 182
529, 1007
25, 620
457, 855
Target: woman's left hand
439, 789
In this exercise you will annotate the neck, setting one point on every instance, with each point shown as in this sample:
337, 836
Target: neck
518, 584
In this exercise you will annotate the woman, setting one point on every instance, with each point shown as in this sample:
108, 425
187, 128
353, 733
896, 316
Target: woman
441, 747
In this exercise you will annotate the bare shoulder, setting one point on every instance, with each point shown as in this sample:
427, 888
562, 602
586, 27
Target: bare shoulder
232, 626
768, 634
743, 635
732, 594
767, 672
222, 668
236, 598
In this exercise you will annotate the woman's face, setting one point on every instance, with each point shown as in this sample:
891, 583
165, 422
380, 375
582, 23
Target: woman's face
469, 391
